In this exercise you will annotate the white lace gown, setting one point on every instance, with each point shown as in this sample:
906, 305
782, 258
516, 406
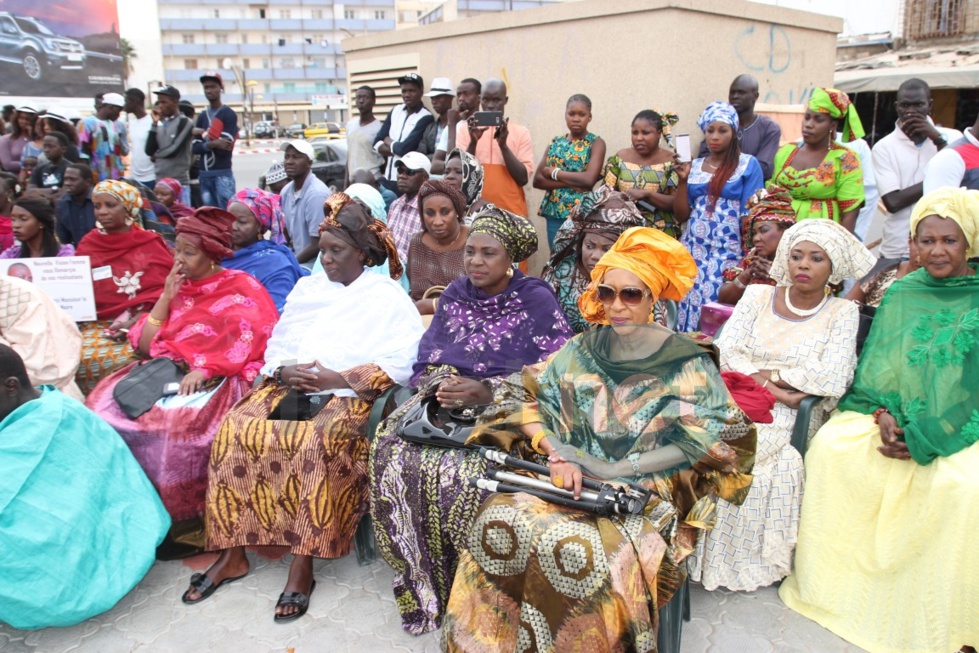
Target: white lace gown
751, 545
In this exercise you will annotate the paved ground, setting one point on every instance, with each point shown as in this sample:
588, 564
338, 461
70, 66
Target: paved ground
352, 609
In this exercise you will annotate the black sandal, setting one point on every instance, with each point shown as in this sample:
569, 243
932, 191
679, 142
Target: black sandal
294, 598
205, 587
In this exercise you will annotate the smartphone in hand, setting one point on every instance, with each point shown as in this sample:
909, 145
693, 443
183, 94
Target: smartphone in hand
488, 118
683, 147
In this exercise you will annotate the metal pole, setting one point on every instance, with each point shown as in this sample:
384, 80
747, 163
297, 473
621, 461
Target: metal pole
873, 127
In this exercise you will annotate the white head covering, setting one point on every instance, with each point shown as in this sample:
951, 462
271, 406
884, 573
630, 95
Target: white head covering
847, 255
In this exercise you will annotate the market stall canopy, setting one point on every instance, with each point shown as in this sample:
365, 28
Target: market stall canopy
941, 67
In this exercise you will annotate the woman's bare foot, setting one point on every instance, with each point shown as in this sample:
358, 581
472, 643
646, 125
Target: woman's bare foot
232, 563
300, 580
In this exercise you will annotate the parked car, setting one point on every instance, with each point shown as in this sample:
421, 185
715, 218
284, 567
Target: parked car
324, 130
330, 164
28, 43
296, 130
269, 129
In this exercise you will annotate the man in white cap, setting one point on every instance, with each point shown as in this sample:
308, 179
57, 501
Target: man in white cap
404, 216
435, 140
104, 140
302, 200
361, 134
403, 128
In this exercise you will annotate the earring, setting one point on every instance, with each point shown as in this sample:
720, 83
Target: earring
509, 273
827, 291
129, 222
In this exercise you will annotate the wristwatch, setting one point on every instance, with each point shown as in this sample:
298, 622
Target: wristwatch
775, 377
633, 459
940, 142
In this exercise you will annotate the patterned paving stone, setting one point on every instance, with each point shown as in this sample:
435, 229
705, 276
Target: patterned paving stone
353, 609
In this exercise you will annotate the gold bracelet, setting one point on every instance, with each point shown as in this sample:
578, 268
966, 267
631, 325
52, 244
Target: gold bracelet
435, 305
153, 321
535, 442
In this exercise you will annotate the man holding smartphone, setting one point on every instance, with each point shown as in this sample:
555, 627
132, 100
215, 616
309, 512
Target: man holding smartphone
505, 152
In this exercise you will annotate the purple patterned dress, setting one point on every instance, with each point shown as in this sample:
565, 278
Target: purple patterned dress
421, 502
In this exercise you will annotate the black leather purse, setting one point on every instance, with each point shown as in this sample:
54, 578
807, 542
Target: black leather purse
427, 422
144, 385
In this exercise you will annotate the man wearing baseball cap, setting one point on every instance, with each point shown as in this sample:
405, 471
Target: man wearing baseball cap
170, 141
217, 131
403, 128
302, 200
404, 216
104, 140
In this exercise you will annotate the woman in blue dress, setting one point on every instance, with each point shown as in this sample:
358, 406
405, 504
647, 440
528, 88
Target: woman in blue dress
273, 264
711, 202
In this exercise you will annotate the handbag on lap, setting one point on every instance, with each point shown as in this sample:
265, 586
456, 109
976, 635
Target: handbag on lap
144, 385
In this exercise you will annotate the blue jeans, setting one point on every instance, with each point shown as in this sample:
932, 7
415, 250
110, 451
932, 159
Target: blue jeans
217, 189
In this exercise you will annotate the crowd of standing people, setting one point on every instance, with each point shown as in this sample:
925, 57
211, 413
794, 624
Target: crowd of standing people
244, 336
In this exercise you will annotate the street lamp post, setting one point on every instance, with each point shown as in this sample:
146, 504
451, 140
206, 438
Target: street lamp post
239, 74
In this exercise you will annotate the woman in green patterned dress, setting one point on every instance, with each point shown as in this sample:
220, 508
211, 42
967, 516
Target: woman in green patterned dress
624, 401
570, 167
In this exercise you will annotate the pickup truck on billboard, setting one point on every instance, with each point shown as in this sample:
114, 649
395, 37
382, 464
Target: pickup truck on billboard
36, 49
59, 49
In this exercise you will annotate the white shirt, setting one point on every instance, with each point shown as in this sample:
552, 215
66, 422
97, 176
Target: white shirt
899, 164
869, 209
141, 167
947, 168
360, 146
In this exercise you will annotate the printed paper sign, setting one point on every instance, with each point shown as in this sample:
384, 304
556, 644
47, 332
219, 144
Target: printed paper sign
66, 279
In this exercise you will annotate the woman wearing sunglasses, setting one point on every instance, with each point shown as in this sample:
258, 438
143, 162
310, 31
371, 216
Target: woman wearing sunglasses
627, 400
794, 340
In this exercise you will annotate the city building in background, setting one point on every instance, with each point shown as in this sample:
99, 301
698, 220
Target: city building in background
425, 12
281, 60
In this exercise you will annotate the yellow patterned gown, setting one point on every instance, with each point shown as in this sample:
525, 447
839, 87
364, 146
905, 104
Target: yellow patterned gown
301, 484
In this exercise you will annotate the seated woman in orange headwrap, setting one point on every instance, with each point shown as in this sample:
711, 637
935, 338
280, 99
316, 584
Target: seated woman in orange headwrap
627, 400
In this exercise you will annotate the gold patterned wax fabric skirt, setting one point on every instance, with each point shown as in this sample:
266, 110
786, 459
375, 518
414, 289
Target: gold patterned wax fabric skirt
301, 484
539, 577
100, 356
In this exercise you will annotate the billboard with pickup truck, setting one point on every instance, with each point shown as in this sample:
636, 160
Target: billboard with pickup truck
59, 49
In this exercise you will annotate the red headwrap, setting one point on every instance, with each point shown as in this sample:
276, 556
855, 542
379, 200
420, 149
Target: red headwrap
208, 229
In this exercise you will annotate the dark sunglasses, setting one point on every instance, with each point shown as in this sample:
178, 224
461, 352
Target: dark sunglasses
630, 295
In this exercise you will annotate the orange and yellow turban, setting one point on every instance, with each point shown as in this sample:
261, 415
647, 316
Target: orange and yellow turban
661, 263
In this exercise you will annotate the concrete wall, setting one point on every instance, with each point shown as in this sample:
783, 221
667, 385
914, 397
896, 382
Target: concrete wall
626, 55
